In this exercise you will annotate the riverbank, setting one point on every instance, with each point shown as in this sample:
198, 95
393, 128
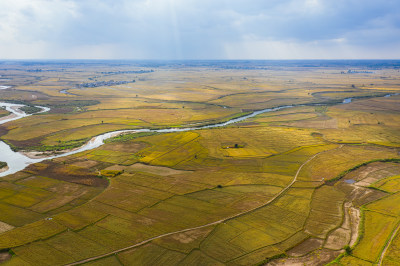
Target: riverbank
3, 167
26, 158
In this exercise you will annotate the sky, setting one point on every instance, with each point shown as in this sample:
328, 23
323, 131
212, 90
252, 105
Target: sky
199, 29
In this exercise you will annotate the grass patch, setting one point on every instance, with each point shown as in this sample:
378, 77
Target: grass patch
129, 136
63, 145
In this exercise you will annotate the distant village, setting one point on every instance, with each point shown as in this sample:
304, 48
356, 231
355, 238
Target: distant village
356, 72
44, 70
127, 72
111, 82
103, 83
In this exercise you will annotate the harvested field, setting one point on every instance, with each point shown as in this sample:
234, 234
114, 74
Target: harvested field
73, 174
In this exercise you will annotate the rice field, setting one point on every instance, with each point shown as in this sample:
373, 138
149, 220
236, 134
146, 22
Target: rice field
291, 186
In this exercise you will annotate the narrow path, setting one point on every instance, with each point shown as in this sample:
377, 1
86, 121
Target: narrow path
388, 245
202, 226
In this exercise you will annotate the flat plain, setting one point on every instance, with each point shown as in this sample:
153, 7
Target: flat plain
313, 183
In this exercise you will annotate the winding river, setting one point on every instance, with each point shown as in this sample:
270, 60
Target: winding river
17, 161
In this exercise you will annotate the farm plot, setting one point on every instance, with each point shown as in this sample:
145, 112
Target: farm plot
135, 188
380, 217
29, 198
331, 163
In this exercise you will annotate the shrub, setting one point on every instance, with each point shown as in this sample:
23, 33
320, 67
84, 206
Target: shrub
3, 164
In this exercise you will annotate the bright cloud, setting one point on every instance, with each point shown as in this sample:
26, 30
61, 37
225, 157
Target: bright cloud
193, 29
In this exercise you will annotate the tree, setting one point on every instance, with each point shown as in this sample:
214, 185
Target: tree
347, 249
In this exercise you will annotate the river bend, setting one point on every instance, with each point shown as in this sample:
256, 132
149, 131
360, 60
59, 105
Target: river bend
17, 161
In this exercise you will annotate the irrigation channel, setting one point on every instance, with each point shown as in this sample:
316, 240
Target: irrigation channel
17, 161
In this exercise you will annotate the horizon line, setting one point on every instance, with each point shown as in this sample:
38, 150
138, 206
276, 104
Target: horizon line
132, 59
